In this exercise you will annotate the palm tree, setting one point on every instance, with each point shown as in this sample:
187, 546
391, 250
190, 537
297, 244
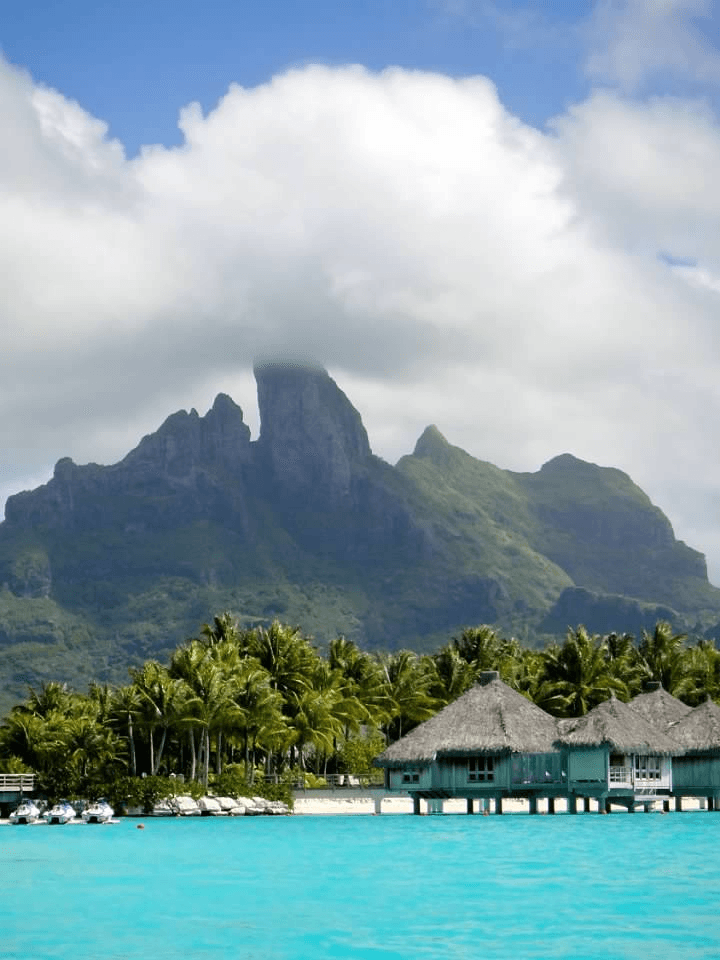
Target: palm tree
526, 673
577, 676
662, 653
33, 739
212, 704
453, 675
364, 676
340, 693
313, 723
51, 698
91, 746
124, 710
479, 646
407, 683
701, 669
162, 699
224, 629
258, 717
625, 661
287, 656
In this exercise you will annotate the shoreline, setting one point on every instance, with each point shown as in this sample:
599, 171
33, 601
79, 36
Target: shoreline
399, 806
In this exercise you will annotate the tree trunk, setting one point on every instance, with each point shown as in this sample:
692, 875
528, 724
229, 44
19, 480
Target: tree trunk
131, 741
206, 775
160, 751
152, 750
193, 755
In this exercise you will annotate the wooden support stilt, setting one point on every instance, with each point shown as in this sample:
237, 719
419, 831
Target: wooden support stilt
586, 804
666, 806
498, 805
378, 805
551, 804
533, 804
416, 805
605, 806
678, 804
572, 803
470, 806
710, 804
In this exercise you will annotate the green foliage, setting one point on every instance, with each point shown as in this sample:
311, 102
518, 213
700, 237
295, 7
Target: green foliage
246, 712
235, 782
357, 754
280, 789
145, 792
313, 780
14, 765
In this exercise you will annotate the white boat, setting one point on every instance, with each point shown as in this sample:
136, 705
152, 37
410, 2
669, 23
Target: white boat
62, 812
98, 812
27, 812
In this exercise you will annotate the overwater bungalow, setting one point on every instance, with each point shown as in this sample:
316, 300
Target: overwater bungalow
696, 772
489, 744
617, 756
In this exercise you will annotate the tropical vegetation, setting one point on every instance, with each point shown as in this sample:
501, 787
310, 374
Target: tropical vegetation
236, 709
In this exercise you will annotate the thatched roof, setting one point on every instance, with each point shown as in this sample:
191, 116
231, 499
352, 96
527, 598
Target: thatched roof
616, 725
699, 730
491, 718
660, 707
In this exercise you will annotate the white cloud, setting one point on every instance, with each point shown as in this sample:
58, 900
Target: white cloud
633, 41
446, 262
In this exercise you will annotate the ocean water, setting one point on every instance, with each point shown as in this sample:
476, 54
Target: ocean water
386, 888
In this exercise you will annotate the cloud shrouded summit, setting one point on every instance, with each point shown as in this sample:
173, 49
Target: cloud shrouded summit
446, 262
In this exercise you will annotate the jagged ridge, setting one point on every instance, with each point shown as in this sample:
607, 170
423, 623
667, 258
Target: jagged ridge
120, 562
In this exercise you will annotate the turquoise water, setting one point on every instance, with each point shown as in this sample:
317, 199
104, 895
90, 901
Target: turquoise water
387, 888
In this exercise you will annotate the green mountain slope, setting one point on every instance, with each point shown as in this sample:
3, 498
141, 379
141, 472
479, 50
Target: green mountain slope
103, 567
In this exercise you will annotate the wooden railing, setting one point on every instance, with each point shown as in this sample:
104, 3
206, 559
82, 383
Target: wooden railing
17, 781
333, 781
620, 774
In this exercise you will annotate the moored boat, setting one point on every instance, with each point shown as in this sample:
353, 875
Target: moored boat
26, 812
99, 811
62, 812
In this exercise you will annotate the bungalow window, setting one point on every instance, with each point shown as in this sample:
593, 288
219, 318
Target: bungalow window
619, 773
647, 768
411, 776
481, 769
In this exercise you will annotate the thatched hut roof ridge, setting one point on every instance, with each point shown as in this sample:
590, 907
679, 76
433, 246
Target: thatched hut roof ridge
490, 718
659, 707
615, 724
699, 730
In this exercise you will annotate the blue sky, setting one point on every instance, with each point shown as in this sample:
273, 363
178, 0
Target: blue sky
499, 216
135, 64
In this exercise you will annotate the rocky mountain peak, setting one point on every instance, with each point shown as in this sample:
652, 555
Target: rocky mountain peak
432, 445
311, 436
186, 442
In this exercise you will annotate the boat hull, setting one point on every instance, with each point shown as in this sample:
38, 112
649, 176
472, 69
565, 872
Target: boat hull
26, 813
99, 813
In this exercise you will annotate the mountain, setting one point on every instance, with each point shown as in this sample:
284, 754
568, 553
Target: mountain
104, 566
